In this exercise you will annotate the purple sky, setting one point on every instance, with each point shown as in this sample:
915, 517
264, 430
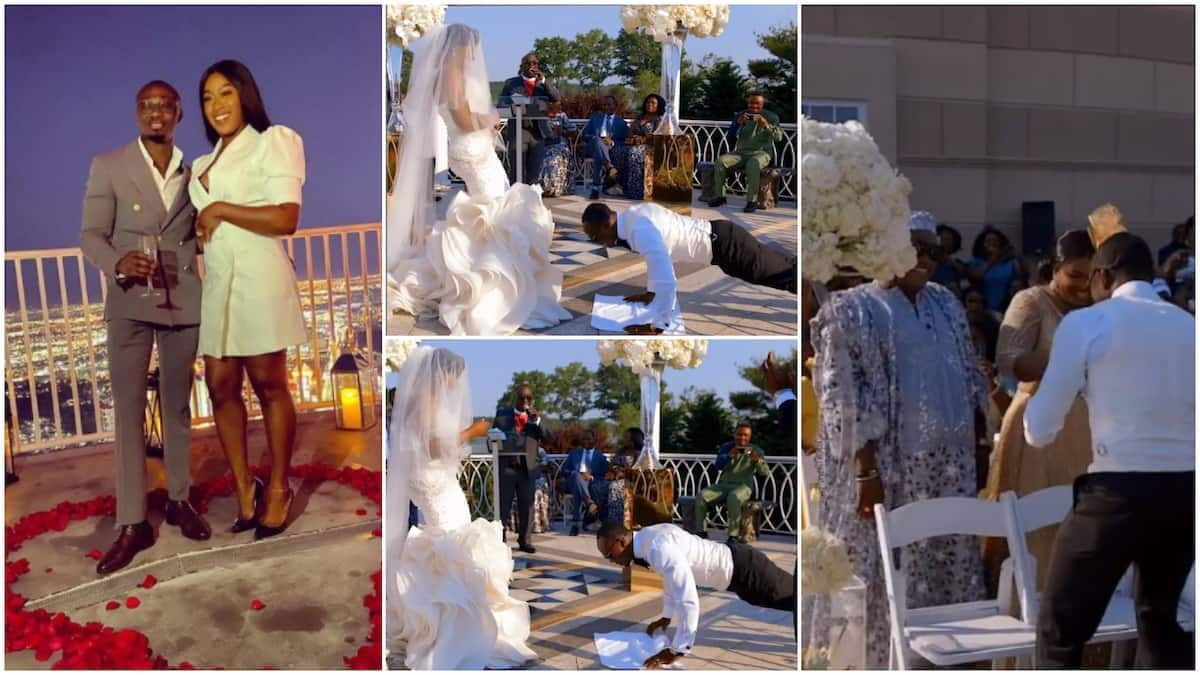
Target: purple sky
71, 74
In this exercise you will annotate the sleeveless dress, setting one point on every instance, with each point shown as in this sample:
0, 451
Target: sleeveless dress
250, 303
486, 267
452, 585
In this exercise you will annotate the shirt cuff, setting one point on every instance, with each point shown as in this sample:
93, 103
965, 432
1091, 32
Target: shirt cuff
783, 396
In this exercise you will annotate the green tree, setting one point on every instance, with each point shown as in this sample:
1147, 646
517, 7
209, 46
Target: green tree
571, 390
645, 83
592, 57
722, 92
707, 424
616, 385
637, 54
554, 58
691, 77
759, 410
627, 415
777, 76
542, 384
671, 423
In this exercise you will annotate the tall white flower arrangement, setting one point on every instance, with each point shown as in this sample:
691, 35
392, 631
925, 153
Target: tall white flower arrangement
638, 355
824, 563
662, 20
406, 23
396, 351
854, 205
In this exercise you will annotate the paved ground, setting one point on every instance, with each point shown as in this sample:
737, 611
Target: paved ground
733, 635
712, 303
200, 610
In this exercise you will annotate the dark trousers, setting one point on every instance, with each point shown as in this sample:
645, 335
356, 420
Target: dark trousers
601, 159
533, 150
760, 582
1119, 519
516, 479
741, 256
595, 491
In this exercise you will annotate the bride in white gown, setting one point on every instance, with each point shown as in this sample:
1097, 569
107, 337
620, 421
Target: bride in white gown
485, 268
449, 604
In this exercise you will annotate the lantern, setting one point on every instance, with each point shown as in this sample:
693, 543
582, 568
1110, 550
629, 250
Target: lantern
10, 444
353, 389
154, 420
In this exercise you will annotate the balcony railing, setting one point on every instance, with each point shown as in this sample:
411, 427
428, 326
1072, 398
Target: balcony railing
56, 375
711, 142
692, 473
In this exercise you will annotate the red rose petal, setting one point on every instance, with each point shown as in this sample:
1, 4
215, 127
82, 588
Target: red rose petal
377, 532
184, 665
95, 554
49, 570
361, 512
257, 604
132, 602
148, 582
112, 604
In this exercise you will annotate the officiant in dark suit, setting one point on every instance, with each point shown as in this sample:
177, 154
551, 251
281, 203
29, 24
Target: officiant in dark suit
524, 432
530, 82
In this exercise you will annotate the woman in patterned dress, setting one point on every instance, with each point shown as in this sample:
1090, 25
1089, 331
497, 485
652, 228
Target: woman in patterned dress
630, 159
623, 459
557, 178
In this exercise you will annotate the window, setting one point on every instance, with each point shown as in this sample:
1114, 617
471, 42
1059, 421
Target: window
834, 111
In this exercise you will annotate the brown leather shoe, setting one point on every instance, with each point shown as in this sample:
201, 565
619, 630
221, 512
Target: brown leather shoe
133, 538
191, 524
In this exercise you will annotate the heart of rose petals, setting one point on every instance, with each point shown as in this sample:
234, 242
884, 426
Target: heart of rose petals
132, 602
257, 604
95, 554
148, 582
112, 604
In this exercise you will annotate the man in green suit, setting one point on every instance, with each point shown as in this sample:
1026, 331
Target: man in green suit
739, 463
756, 131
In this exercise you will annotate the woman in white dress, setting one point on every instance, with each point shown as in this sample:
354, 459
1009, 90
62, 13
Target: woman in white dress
448, 602
247, 192
484, 269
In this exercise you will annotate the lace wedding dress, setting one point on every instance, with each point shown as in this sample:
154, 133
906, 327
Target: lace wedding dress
485, 268
452, 579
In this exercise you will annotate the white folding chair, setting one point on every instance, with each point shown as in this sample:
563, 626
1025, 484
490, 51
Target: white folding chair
947, 635
1047, 507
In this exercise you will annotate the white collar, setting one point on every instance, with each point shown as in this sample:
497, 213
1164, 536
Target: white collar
1136, 289
172, 165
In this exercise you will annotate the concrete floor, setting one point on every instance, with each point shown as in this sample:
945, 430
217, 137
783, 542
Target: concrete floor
313, 577
712, 303
732, 636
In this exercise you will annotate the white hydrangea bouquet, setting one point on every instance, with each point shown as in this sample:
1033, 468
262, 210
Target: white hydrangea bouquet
638, 355
854, 205
396, 351
824, 563
661, 21
406, 23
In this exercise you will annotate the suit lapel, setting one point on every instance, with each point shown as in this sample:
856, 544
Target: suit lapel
139, 173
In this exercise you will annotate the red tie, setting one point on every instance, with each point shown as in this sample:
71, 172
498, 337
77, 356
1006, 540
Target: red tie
529, 87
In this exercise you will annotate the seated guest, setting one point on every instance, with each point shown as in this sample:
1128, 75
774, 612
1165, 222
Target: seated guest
584, 473
604, 131
625, 458
664, 237
756, 131
630, 159
556, 177
739, 462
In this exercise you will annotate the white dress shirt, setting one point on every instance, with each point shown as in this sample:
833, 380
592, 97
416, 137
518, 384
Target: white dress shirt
664, 237
1133, 358
169, 185
684, 561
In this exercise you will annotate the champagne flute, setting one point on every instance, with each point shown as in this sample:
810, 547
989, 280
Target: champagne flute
148, 244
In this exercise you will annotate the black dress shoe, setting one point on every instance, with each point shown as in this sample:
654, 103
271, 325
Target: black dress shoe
595, 194
574, 531
191, 524
131, 540
750, 207
243, 524
714, 203
264, 531
527, 547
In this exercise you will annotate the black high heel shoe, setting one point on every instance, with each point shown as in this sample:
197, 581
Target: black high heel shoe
243, 524
264, 531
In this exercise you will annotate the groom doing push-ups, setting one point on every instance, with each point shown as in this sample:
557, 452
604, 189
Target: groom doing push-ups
664, 237
685, 561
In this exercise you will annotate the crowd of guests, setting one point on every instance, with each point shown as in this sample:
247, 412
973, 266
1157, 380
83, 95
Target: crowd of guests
617, 146
904, 406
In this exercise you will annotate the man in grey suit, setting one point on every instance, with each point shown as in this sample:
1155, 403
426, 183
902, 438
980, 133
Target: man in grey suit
530, 82
137, 191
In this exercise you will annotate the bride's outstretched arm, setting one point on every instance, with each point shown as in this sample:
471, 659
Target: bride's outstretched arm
479, 428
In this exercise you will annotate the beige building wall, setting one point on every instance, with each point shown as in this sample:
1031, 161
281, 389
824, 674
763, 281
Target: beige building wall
984, 108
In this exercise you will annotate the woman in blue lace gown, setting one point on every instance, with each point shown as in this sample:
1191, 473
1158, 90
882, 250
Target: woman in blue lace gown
630, 159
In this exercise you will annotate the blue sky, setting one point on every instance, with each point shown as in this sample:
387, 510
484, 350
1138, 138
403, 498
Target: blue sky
509, 31
491, 363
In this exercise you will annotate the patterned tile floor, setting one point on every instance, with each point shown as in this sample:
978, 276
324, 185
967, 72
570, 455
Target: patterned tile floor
548, 584
571, 248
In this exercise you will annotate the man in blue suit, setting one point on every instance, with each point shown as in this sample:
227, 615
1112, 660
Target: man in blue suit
583, 473
604, 131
